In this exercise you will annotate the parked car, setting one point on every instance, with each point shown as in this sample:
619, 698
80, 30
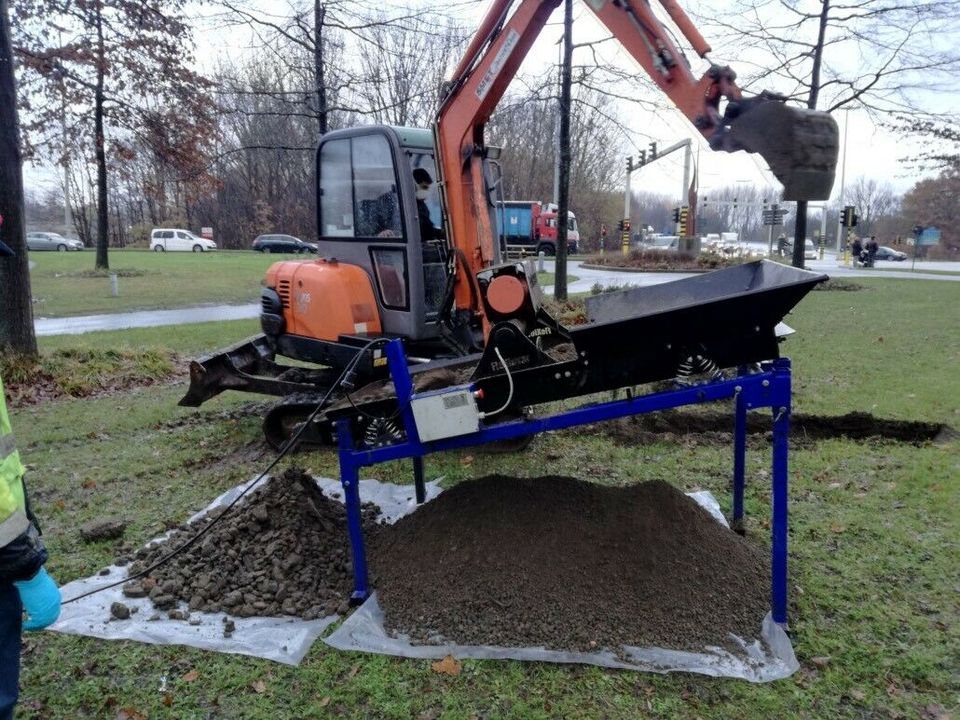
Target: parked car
885, 253
283, 244
52, 241
173, 239
670, 243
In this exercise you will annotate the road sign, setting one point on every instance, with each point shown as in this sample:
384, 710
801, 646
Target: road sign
929, 236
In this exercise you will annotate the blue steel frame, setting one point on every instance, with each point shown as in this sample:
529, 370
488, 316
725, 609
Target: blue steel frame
768, 388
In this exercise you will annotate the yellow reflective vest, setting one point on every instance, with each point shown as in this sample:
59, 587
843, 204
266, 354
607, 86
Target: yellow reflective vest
13, 514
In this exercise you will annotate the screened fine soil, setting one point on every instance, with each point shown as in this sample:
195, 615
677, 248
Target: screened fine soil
568, 565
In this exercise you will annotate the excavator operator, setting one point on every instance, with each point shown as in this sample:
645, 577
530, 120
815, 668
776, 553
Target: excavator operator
428, 231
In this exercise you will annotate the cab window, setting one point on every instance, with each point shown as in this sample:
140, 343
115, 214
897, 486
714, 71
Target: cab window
358, 189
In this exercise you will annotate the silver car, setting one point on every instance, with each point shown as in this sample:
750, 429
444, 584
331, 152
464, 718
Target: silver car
52, 241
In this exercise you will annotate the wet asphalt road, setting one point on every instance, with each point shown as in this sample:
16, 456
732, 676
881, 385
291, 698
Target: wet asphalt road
586, 279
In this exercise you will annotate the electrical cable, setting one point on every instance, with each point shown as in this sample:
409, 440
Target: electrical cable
506, 404
290, 444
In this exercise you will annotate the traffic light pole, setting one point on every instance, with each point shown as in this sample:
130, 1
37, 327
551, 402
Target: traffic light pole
625, 225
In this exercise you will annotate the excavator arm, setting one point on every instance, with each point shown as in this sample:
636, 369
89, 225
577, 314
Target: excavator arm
799, 145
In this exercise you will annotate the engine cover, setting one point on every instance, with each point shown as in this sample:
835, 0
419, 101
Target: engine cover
324, 299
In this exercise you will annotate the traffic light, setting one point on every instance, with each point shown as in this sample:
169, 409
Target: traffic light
643, 157
653, 150
850, 217
629, 165
676, 214
684, 220
619, 226
625, 226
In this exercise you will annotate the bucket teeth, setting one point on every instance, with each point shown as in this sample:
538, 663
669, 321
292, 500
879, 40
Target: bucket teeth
799, 145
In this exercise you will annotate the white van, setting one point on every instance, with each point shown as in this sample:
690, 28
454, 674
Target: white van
176, 239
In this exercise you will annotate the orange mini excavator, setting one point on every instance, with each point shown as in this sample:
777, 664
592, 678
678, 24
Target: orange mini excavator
453, 300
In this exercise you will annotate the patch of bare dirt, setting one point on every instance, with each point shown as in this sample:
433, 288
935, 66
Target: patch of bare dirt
44, 386
717, 428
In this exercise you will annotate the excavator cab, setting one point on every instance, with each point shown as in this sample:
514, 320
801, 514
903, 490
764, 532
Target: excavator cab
368, 217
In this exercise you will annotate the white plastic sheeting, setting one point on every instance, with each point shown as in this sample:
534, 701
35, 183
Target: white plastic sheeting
287, 640
283, 639
771, 658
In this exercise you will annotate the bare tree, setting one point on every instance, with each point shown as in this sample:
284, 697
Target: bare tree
877, 55
404, 66
875, 201
124, 66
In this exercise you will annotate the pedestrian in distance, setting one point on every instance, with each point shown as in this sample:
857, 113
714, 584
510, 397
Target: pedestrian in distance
782, 244
856, 250
29, 597
872, 247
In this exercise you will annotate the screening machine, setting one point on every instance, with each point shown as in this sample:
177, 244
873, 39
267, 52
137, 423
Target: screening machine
688, 331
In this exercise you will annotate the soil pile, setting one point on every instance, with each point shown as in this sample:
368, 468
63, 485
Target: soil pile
568, 565
282, 551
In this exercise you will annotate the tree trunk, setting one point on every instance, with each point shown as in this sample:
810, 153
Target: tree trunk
16, 318
563, 201
799, 235
319, 12
800, 231
103, 218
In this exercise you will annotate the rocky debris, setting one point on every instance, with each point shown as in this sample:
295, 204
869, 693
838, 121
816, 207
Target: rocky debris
134, 589
281, 551
106, 529
119, 611
568, 565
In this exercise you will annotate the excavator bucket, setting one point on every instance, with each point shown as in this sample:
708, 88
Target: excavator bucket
799, 145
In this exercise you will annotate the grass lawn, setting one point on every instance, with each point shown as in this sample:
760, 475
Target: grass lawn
875, 533
547, 278
65, 284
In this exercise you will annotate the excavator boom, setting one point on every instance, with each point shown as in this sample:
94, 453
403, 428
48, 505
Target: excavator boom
799, 145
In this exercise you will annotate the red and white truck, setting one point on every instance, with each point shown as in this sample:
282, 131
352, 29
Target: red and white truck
532, 226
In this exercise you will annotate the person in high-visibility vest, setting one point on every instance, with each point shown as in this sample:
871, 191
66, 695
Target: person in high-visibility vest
29, 597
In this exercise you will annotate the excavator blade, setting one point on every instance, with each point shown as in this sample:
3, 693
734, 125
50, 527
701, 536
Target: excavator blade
799, 145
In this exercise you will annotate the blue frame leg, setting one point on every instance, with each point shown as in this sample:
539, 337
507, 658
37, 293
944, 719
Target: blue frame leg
350, 480
739, 462
778, 570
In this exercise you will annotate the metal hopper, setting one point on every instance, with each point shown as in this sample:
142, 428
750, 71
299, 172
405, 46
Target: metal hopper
726, 317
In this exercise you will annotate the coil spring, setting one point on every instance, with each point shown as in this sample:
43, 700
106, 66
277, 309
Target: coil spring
696, 365
382, 431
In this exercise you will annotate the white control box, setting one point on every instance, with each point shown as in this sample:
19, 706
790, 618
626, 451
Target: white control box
445, 413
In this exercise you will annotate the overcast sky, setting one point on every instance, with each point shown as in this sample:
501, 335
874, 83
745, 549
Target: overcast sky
868, 150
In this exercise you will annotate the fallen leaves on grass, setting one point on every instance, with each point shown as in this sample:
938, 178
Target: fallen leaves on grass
129, 714
259, 687
190, 676
448, 666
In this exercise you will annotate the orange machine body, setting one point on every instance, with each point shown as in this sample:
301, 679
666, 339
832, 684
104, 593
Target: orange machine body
325, 299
